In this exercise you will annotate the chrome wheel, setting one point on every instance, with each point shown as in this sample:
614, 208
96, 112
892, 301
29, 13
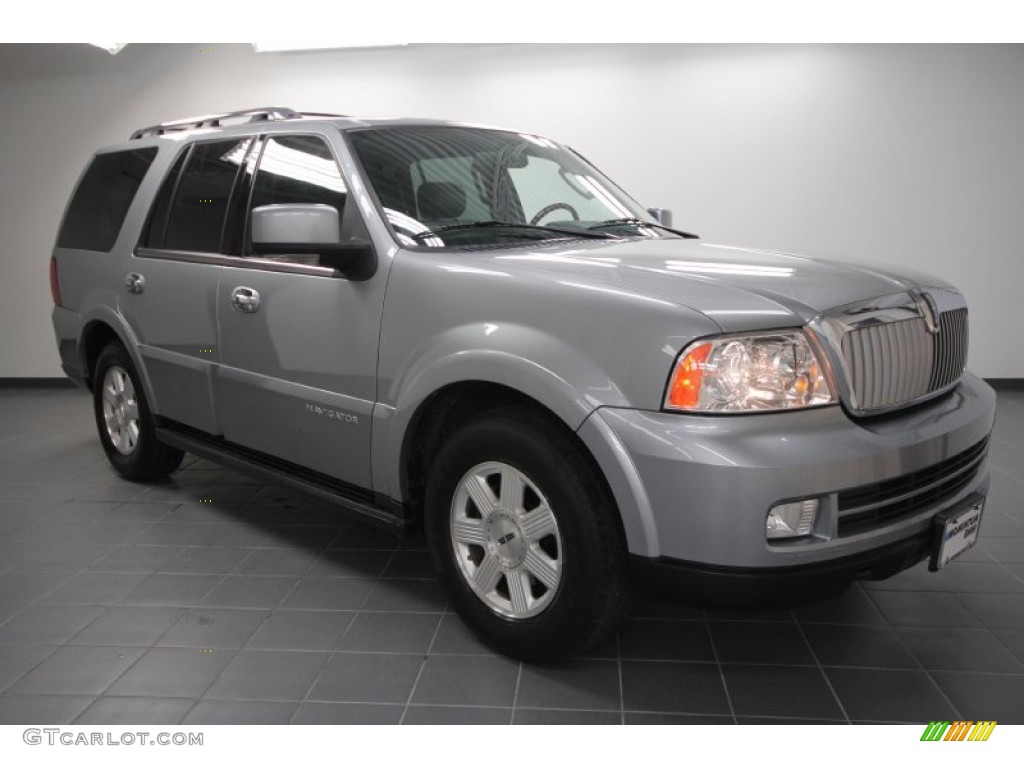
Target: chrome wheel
506, 540
120, 410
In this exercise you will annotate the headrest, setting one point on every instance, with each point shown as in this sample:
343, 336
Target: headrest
440, 200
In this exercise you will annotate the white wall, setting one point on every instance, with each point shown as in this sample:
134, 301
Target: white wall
906, 155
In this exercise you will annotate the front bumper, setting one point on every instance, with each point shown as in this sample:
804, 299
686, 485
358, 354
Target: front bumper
701, 486
783, 586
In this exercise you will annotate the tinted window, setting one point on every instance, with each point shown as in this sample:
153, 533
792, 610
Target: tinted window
196, 219
102, 199
238, 210
298, 169
153, 237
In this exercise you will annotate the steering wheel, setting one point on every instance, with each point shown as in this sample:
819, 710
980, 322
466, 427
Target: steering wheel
554, 207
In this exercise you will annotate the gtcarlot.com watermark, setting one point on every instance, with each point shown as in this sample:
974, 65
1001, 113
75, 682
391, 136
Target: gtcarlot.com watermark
71, 738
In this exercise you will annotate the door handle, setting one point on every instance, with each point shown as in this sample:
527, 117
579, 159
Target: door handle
134, 282
245, 299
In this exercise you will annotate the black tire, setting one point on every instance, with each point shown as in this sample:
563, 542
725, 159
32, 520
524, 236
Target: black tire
146, 458
592, 593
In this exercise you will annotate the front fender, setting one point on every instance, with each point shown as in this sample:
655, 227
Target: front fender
524, 359
533, 362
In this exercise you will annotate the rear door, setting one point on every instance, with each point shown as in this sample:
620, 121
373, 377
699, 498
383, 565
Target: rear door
298, 357
170, 289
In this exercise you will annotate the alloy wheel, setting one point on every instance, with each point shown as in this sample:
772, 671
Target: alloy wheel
506, 540
120, 410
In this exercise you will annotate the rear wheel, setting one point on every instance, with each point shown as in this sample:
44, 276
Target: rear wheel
526, 536
124, 421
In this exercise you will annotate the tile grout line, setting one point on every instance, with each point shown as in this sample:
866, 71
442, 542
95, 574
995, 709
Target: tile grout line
31, 670
416, 682
480, 655
900, 640
1005, 647
337, 648
33, 603
234, 656
426, 656
721, 670
188, 610
942, 693
515, 694
821, 670
1009, 570
926, 672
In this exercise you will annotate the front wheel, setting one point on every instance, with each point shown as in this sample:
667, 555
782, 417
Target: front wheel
526, 536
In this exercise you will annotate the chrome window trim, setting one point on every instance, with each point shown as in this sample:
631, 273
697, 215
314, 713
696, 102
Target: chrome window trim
238, 262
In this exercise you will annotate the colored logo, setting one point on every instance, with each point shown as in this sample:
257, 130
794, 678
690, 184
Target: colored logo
961, 730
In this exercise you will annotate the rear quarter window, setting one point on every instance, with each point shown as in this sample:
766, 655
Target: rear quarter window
102, 199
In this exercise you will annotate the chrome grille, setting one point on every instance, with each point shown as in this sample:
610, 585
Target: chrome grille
898, 362
950, 349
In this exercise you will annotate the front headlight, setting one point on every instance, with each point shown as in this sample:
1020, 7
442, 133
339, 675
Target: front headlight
749, 372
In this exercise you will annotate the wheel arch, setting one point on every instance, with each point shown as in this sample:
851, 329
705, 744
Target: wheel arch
450, 407
99, 329
440, 414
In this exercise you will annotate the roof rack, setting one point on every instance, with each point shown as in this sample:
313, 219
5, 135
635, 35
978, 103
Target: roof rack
245, 116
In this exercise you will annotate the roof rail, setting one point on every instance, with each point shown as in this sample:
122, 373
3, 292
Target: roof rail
245, 116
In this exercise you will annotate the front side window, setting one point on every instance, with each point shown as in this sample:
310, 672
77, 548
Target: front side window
195, 219
101, 201
445, 186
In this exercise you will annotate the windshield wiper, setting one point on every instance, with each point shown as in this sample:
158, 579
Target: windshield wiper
512, 225
641, 223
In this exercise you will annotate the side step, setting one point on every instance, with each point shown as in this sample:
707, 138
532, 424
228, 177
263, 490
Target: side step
351, 501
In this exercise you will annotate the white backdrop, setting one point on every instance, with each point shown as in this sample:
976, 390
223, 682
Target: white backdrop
905, 155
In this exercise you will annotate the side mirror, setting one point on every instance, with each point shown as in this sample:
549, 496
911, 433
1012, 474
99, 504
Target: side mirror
308, 228
661, 215
295, 228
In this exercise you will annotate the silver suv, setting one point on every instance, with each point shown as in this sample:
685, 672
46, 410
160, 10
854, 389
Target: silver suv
475, 333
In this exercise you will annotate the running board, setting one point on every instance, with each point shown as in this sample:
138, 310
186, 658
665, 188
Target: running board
283, 473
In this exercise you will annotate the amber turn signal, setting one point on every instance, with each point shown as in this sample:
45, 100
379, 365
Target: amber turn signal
684, 389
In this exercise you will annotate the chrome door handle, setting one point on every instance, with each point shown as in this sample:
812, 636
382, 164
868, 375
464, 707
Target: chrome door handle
134, 282
245, 299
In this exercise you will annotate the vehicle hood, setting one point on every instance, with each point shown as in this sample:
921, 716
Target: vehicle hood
737, 288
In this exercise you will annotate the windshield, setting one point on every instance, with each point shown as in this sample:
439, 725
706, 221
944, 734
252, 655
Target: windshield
448, 186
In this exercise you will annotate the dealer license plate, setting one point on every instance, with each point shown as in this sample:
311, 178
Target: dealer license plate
956, 532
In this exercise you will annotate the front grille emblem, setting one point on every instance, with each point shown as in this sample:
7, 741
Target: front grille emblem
928, 310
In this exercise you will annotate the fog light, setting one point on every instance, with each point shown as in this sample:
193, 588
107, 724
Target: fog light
795, 518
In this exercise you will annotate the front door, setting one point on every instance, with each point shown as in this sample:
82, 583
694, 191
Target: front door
298, 345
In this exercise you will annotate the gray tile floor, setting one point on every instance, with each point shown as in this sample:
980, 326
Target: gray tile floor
214, 599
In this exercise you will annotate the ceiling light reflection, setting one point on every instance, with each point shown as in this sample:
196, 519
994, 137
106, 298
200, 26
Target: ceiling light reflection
616, 292
727, 268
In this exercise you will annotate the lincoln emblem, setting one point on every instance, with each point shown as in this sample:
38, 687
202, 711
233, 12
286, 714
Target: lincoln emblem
926, 307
